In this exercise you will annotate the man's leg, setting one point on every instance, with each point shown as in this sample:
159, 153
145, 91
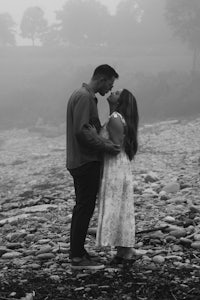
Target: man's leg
86, 184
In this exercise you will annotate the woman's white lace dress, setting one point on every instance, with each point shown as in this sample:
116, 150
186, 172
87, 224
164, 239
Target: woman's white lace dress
116, 219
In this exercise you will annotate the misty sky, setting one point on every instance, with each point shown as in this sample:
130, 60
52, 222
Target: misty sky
17, 7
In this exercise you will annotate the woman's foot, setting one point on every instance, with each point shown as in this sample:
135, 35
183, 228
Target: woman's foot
116, 260
126, 252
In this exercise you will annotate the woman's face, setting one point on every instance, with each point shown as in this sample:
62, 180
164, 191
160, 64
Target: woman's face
114, 97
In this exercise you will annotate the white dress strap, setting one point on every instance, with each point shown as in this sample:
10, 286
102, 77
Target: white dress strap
116, 114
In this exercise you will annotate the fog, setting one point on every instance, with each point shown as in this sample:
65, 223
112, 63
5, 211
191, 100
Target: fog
155, 58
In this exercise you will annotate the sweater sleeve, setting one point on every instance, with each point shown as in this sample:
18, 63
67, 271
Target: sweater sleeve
81, 129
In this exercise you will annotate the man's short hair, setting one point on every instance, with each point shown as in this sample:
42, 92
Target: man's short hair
106, 71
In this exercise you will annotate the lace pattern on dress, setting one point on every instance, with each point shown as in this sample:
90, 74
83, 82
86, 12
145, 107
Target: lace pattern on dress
116, 114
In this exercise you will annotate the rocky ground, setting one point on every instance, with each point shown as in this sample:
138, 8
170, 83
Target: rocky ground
35, 211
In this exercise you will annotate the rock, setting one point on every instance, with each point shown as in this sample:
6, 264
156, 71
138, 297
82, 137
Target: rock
158, 259
172, 187
149, 192
174, 257
185, 241
151, 177
11, 255
140, 252
55, 277
3, 250
44, 249
34, 266
197, 237
163, 195
169, 219
177, 248
43, 241
170, 239
39, 208
196, 245
172, 227
194, 209
14, 245
44, 256
178, 233
176, 200
13, 220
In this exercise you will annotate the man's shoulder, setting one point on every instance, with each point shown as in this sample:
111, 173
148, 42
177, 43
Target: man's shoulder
81, 92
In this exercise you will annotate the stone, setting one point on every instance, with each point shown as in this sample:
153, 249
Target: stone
11, 255
170, 238
3, 250
14, 219
34, 266
44, 249
172, 187
185, 241
196, 245
169, 219
163, 195
197, 237
178, 233
158, 259
14, 245
194, 209
151, 177
46, 256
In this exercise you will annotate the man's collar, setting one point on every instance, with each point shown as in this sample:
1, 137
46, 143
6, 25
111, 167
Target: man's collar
85, 85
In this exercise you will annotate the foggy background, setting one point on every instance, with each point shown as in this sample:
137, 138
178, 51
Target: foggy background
153, 45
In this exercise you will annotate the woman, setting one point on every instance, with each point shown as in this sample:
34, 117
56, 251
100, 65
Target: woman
116, 220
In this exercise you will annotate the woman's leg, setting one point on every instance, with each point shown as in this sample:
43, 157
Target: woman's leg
125, 252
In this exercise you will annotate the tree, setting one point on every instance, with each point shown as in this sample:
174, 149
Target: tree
33, 24
52, 37
83, 22
124, 23
184, 18
153, 29
7, 32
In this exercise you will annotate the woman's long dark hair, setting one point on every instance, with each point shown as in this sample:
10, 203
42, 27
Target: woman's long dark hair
127, 107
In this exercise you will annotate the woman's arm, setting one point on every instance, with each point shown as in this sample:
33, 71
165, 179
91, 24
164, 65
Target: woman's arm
115, 129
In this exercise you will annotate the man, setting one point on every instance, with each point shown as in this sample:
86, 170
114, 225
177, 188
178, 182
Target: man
84, 151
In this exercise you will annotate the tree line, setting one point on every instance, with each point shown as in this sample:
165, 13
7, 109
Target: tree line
88, 23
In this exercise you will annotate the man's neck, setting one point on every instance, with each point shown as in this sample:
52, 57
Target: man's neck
93, 87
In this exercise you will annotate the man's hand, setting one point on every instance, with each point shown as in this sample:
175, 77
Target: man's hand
112, 148
92, 128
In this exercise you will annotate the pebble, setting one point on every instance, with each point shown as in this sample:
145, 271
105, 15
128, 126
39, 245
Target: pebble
11, 255
172, 187
178, 233
197, 237
44, 249
185, 241
196, 245
169, 219
44, 256
151, 177
158, 259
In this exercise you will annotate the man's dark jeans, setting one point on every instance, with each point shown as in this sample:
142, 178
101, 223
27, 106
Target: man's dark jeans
86, 185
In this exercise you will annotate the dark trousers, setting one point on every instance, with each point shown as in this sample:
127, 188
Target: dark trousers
86, 185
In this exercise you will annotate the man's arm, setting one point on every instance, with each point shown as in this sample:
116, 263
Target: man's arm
82, 129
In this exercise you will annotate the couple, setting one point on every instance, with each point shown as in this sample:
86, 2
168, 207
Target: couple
98, 158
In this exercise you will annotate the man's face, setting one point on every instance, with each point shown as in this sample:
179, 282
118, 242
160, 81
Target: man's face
106, 85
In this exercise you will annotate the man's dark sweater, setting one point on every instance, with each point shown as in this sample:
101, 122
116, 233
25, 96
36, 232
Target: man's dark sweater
83, 145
